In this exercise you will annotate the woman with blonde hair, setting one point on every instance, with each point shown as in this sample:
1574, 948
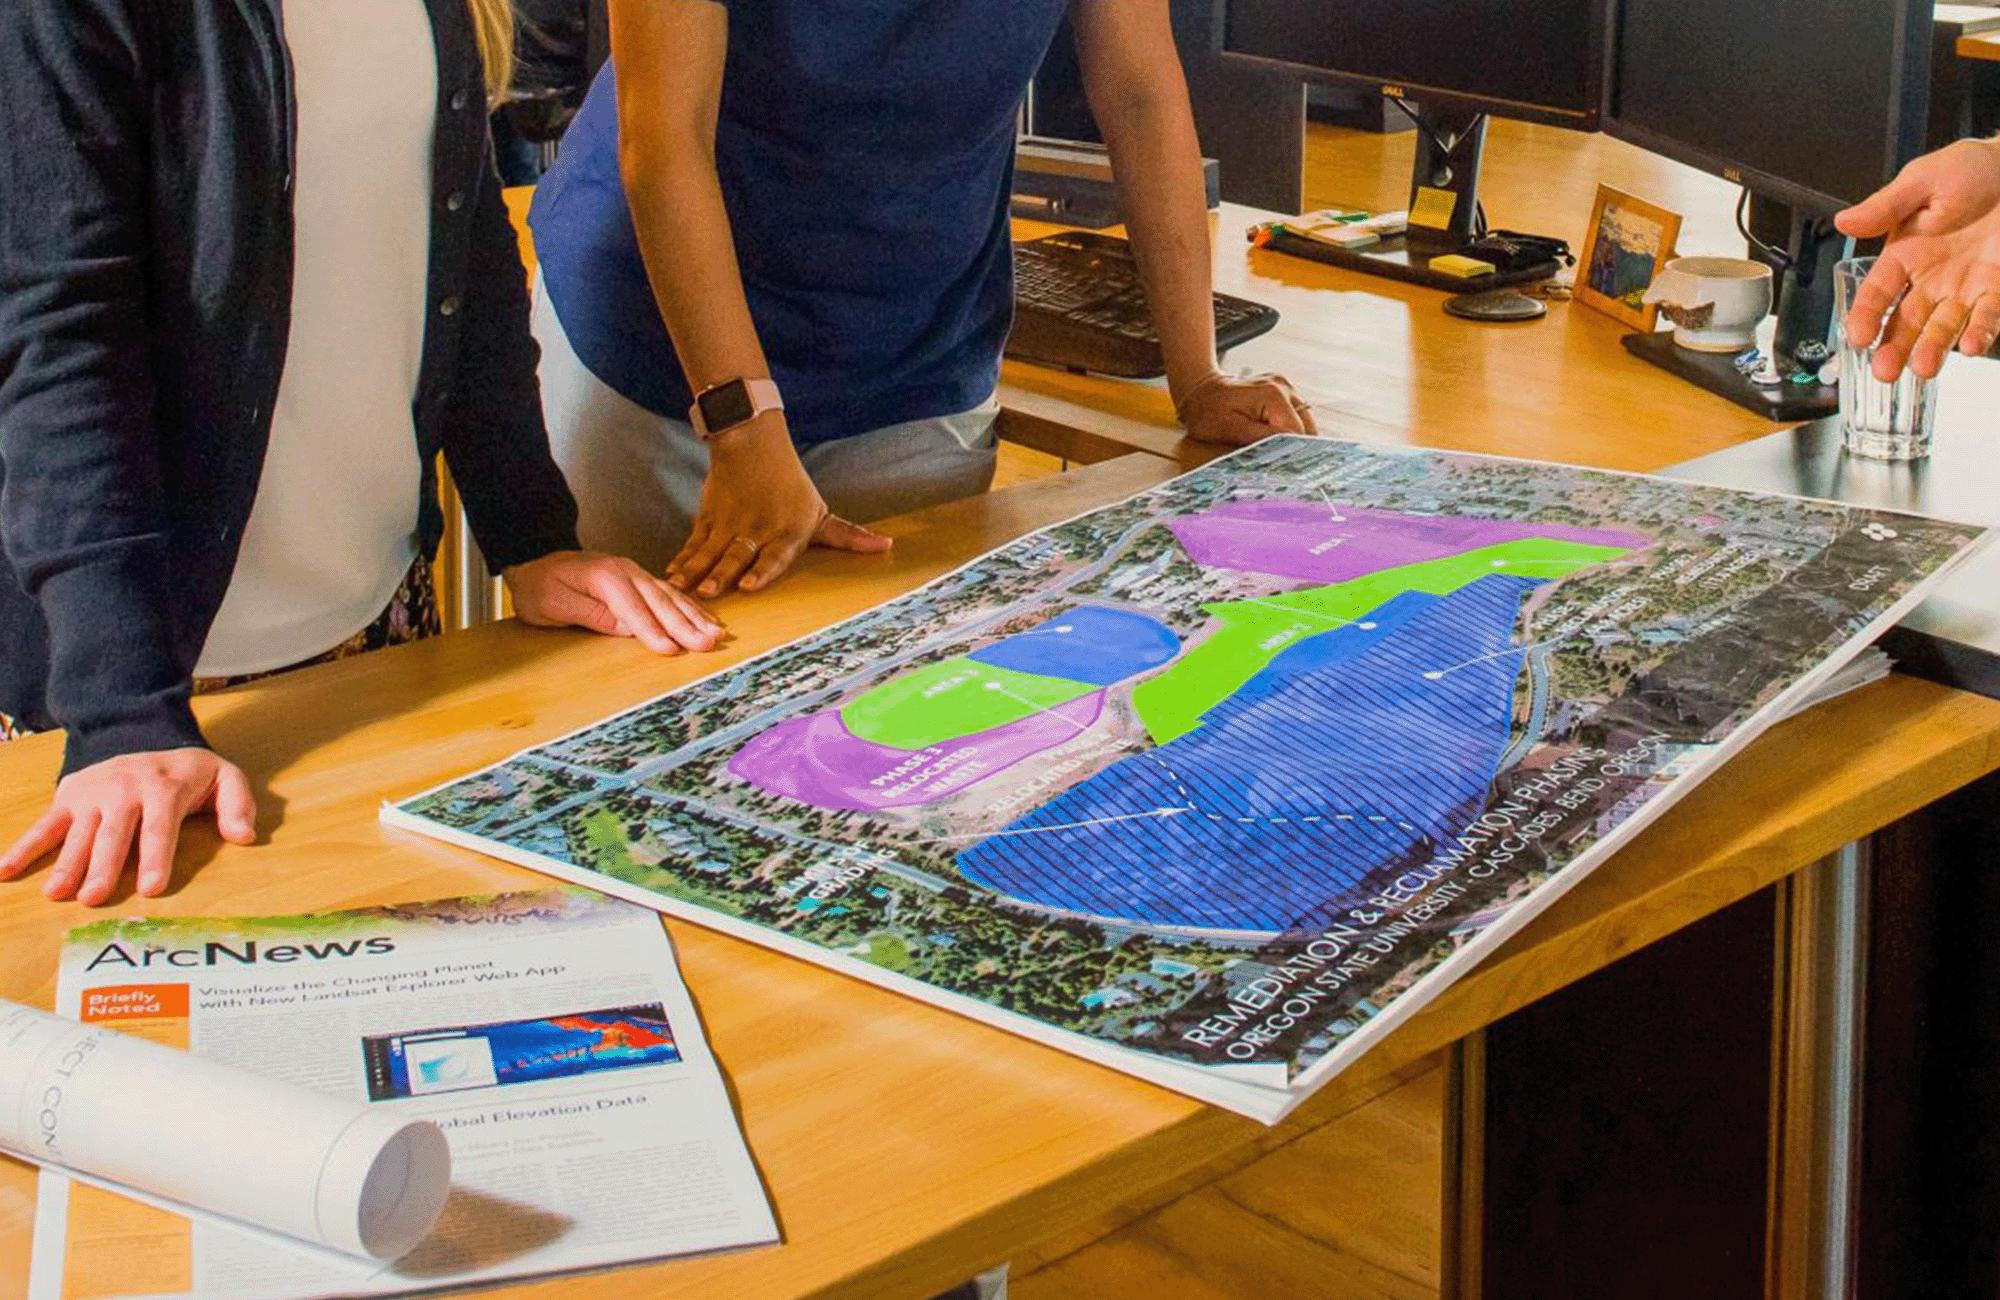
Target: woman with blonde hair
255, 274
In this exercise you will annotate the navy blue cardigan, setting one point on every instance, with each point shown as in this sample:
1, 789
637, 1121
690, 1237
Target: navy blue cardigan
146, 243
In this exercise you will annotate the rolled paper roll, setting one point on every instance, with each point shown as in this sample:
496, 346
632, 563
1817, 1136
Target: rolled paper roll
338, 1173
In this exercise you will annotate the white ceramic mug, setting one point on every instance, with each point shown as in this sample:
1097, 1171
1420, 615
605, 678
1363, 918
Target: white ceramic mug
1714, 303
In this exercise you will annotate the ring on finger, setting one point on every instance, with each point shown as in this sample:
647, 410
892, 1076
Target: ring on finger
751, 542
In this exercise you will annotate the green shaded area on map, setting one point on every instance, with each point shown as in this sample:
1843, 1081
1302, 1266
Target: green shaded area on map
1254, 632
606, 835
952, 698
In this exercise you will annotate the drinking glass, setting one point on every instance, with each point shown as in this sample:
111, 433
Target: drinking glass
1881, 421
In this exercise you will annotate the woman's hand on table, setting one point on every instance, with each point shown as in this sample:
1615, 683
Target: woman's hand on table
612, 595
1242, 409
1940, 269
759, 511
102, 814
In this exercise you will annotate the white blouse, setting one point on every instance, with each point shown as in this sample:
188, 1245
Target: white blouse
334, 526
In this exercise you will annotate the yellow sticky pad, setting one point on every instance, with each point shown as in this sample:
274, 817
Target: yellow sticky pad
1432, 208
1465, 268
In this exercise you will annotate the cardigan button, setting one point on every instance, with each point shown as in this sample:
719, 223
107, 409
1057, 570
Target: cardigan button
450, 306
454, 201
459, 99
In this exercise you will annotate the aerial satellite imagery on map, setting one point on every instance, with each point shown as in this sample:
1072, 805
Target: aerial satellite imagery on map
1221, 782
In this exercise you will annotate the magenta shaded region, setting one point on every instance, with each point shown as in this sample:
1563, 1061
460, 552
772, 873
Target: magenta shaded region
817, 760
1303, 539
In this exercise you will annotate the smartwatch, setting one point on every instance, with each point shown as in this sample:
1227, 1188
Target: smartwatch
721, 407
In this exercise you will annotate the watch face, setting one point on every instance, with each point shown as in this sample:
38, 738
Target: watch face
725, 406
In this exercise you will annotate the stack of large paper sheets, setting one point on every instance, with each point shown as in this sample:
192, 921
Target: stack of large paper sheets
1220, 784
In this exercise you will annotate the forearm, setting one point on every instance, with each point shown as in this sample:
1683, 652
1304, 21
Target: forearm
84, 520
86, 541
1156, 157
690, 255
669, 58
494, 437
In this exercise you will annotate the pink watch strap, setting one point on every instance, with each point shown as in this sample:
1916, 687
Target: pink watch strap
762, 395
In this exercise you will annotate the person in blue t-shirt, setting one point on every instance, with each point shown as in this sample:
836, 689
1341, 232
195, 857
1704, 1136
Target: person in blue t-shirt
776, 269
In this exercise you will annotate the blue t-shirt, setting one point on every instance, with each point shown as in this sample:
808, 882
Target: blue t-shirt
865, 152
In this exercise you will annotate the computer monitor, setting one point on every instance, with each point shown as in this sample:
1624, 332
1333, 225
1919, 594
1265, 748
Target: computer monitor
1813, 103
1450, 64
1250, 120
1539, 61
1810, 105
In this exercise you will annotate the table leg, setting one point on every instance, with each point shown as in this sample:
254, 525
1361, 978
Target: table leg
1816, 1076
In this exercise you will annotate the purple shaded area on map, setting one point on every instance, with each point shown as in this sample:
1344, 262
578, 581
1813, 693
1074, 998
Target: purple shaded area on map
1302, 539
817, 760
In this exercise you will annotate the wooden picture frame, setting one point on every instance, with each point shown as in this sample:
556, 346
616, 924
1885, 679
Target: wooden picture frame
1627, 245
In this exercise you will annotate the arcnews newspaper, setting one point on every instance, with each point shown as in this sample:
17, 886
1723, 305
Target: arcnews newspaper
547, 1033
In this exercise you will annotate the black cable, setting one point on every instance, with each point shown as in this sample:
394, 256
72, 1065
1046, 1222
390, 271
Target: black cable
1778, 256
1430, 132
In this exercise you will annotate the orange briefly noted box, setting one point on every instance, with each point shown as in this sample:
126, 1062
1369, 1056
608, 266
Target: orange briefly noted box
135, 1002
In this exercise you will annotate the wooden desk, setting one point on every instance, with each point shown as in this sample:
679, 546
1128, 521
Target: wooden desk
1381, 361
906, 1147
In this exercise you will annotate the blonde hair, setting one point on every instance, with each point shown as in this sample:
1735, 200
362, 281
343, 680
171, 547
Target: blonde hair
493, 28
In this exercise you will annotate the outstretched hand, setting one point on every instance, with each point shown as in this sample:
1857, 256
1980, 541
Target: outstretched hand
102, 814
611, 595
1242, 409
1933, 195
1936, 284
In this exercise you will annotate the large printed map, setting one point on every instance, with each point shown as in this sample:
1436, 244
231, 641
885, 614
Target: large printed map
1218, 783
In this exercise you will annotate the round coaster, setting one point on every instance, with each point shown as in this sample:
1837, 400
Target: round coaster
1496, 304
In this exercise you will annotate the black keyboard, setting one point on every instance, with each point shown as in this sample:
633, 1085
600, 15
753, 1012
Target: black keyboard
1078, 304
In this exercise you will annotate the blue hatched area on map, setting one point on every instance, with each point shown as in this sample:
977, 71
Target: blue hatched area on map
1353, 751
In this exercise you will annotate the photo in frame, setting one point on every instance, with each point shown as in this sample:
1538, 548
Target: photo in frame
1628, 243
